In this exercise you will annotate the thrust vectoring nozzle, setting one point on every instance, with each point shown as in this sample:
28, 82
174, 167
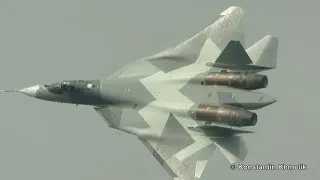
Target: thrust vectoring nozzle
229, 115
249, 81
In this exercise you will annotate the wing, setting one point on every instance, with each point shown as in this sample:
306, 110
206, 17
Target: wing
183, 153
186, 158
200, 49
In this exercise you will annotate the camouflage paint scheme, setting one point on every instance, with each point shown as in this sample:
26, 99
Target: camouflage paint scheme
155, 98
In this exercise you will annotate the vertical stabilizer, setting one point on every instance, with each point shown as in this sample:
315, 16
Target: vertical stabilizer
264, 52
234, 54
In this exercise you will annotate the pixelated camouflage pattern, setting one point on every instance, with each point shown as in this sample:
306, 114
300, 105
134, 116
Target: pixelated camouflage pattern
151, 97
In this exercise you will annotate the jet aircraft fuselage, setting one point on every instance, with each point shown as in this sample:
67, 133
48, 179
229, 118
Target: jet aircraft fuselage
99, 93
185, 102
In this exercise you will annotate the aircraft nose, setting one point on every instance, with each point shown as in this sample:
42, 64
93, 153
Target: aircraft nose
30, 91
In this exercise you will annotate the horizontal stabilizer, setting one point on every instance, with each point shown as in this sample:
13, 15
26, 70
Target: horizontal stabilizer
264, 52
218, 130
234, 54
233, 148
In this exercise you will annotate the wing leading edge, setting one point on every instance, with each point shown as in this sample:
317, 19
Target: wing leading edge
215, 37
202, 48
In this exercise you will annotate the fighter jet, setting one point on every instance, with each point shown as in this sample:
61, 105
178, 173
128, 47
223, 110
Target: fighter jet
186, 102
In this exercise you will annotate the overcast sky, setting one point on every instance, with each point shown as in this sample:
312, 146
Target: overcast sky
46, 41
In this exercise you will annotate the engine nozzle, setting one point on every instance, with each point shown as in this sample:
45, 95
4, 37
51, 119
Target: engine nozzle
224, 114
249, 81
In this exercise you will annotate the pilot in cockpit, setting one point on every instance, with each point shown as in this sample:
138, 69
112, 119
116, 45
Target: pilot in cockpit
67, 86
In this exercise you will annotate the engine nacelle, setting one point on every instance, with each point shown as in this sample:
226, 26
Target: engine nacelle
222, 114
242, 80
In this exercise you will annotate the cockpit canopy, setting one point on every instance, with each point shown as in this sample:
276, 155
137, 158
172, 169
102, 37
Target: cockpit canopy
69, 86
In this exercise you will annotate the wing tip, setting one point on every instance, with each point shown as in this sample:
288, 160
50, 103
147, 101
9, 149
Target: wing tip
231, 10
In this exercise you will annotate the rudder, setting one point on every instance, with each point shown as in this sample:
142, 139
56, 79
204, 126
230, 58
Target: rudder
234, 54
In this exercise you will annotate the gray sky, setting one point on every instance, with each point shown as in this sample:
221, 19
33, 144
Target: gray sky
46, 41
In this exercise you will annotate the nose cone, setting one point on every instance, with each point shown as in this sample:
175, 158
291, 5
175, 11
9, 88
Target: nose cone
30, 91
